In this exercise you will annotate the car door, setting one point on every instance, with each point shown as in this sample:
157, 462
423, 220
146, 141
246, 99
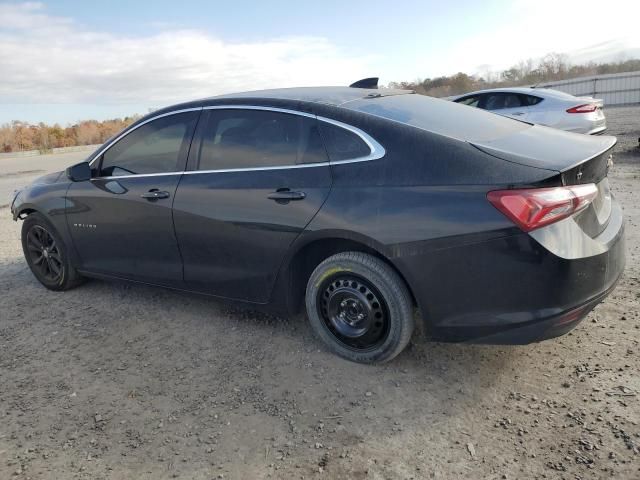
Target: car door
258, 178
121, 220
534, 108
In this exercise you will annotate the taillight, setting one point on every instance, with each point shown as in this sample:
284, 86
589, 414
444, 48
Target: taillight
587, 108
533, 208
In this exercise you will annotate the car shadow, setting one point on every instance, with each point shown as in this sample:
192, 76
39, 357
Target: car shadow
473, 368
159, 360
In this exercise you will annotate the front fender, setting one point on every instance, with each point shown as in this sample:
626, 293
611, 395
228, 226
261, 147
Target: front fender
17, 205
48, 199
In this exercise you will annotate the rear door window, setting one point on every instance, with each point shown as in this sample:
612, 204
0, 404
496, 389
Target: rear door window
503, 100
342, 144
530, 100
471, 100
239, 138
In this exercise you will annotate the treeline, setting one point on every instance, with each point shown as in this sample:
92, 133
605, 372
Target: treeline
20, 136
552, 67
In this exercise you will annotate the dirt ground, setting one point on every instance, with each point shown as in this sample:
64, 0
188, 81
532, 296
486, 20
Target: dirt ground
115, 381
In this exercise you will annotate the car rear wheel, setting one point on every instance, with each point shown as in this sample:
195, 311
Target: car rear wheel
360, 307
47, 255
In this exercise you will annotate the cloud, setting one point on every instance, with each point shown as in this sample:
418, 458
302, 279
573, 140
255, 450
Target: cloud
531, 29
48, 59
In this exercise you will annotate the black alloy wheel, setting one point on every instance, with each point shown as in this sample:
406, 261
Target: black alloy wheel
44, 254
47, 255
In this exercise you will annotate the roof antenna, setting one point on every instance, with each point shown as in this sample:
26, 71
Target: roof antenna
371, 82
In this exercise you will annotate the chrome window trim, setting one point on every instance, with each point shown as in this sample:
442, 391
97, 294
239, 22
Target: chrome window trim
138, 175
259, 169
377, 151
258, 107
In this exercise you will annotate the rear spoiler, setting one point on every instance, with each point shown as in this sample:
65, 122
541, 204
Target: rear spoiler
548, 148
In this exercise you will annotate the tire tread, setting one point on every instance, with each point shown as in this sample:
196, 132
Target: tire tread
72, 278
400, 300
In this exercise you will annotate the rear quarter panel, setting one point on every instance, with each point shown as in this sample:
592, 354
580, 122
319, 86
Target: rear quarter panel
423, 206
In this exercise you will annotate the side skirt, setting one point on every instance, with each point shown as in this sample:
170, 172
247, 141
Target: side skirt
268, 307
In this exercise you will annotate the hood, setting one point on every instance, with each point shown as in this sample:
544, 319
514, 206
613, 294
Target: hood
48, 179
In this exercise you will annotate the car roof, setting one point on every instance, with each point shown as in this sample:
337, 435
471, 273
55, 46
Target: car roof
424, 112
326, 95
539, 92
333, 96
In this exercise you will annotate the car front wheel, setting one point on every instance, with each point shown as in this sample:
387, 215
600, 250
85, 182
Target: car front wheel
46, 254
360, 307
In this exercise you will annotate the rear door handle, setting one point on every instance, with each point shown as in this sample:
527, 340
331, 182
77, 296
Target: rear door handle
155, 194
517, 113
286, 195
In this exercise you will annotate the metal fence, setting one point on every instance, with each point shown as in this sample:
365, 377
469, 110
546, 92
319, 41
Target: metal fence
614, 89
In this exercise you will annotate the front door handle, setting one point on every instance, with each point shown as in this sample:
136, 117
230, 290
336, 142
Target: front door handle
285, 195
518, 113
155, 194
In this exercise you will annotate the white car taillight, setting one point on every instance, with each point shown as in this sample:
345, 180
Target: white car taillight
587, 108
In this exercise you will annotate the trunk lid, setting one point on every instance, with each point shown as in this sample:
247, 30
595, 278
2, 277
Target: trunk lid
582, 100
577, 158
549, 148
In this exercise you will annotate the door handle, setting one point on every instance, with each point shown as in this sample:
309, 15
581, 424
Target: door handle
155, 194
517, 113
284, 195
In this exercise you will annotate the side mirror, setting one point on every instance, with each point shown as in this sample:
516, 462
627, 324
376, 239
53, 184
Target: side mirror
80, 172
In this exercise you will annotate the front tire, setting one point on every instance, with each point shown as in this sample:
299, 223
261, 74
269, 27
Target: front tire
47, 255
360, 307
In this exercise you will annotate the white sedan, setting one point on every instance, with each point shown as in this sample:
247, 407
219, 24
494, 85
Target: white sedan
542, 106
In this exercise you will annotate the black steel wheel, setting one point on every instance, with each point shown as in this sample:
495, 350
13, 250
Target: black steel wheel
354, 311
46, 254
360, 307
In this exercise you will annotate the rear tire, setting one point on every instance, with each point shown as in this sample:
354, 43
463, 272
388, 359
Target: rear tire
47, 255
360, 307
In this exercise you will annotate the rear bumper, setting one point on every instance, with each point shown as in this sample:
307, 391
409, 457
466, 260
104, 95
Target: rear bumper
582, 125
585, 129
546, 328
520, 289
598, 131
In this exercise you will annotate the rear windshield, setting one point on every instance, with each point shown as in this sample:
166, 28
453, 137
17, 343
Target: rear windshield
440, 116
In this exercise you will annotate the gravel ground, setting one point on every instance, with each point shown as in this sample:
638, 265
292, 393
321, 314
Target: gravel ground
121, 381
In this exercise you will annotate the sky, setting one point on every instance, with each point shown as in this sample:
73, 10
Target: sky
63, 61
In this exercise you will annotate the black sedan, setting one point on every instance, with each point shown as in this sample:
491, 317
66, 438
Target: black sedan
361, 205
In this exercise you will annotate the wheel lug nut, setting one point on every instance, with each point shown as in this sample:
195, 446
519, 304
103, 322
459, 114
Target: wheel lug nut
360, 316
343, 304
